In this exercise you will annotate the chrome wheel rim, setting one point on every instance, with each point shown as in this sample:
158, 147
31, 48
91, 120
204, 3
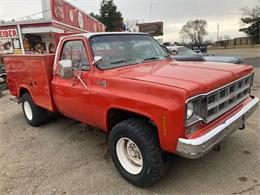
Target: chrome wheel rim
28, 110
129, 155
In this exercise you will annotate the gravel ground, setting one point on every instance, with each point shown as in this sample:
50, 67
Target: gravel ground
67, 157
255, 61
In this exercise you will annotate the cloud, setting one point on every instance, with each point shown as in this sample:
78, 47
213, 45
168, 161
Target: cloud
174, 13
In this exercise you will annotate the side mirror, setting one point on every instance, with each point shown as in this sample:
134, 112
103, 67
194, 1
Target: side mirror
97, 60
66, 70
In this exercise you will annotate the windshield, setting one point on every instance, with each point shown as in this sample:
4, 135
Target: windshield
122, 50
184, 51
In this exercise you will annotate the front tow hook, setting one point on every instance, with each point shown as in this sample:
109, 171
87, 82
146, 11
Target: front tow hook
242, 126
217, 148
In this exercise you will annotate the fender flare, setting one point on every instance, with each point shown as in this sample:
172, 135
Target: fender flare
25, 88
134, 111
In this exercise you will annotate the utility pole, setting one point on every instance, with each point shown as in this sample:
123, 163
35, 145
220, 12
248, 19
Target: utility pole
151, 7
217, 31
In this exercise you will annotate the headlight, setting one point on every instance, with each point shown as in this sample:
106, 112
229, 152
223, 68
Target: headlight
189, 110
195, 112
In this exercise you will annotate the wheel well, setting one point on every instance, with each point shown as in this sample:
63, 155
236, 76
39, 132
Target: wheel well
115, 116
23, 91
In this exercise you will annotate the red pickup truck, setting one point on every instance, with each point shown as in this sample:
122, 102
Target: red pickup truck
128, 86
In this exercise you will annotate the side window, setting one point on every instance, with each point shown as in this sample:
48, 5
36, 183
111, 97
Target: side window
76, 52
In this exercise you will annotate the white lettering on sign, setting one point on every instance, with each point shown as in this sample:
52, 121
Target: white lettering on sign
8, 33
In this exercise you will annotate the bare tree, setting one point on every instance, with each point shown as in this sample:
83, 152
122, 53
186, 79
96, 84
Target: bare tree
195, 30
250, 13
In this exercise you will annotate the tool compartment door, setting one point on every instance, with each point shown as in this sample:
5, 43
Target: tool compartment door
41, 73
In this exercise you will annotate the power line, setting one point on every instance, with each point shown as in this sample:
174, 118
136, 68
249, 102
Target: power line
37, 13
233, 13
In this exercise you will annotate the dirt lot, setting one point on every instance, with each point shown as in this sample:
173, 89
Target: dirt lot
65, 157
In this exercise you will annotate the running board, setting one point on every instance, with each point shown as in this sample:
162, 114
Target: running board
15, 99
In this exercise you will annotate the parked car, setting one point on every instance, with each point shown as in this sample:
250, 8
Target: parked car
3, 78
129, 87
0, 91
201, 49
181, 53
197, 50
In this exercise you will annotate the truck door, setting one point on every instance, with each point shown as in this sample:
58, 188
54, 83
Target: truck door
72, 94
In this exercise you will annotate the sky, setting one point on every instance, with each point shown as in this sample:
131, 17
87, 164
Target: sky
174, 13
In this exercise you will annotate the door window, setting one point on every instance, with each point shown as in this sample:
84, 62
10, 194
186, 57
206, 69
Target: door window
76, 52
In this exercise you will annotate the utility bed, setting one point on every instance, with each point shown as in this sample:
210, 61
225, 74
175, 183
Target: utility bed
31, 73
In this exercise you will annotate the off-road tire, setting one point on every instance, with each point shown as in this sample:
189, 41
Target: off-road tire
145, 137
39, 115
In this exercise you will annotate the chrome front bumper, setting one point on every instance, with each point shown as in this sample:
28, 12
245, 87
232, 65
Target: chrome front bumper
195, 148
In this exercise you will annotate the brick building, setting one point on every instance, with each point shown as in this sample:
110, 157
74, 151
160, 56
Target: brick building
236, 42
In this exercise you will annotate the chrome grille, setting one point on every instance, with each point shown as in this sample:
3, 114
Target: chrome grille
225, 98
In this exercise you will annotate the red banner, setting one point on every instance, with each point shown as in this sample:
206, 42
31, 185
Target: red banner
68, 14
8, 33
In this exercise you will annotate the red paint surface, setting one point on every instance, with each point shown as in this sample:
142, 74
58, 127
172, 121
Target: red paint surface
156, 90
33, 73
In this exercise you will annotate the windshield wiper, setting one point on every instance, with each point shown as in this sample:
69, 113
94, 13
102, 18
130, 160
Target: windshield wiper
151, 58
119, 61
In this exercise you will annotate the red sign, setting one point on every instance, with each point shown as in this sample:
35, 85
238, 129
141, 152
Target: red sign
9, 33
66, 13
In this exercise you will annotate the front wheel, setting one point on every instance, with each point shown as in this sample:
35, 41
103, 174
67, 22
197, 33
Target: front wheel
136, 153
34, 114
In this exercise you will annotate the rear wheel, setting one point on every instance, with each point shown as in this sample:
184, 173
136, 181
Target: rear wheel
34, 114
136, 153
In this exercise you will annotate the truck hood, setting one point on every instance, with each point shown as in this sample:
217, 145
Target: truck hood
225, 59
222, 59
194, 77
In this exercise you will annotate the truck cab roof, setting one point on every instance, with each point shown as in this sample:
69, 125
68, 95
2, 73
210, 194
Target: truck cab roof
90, 34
